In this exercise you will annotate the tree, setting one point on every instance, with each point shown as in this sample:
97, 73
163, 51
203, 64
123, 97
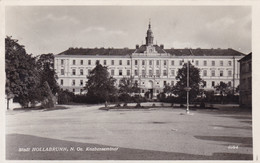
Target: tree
224, 89
48, 98
45, 65
22, 77
195, 82
100, 84
168, 89
127, 86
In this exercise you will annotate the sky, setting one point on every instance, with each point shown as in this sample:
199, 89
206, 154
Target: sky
54, 29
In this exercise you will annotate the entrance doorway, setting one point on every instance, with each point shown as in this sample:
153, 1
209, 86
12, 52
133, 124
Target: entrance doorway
150, 93
150, 89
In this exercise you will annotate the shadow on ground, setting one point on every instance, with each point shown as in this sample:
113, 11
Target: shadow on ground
243, 141
16, 141
234, 127
57, 107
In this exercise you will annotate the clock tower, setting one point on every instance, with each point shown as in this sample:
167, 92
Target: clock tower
149, 37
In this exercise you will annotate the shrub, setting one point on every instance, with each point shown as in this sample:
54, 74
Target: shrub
65, 97
138, 105
202, 105
124, 97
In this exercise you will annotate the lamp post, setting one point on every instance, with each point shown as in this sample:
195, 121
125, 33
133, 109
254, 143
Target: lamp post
188, 88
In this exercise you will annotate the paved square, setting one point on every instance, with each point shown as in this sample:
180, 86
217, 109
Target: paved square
161, 133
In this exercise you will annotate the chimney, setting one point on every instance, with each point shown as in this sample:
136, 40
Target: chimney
162, 46
137, 46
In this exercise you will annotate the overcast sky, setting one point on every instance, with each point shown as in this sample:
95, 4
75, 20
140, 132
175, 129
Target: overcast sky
55, 29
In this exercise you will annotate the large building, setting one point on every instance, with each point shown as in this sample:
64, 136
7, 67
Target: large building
151, 65
245, 87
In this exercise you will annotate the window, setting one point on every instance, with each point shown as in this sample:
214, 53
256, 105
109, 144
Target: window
213, 84
142, 91
73, 71
212, 72
62, 71
204, 72
212, 63
143, 62
120, 62
180, 62
164, 72
81, 90
136, 73
229, 63
164, 63
81, 62
97, 62
120, 73
196, 63
74, 62
172, 63
157, 91
205, 63
157, 73
229, 83
61, 82
143, 72
81, 82
73, 90
221, 63
150, 73
172, 72
128, 62
73, 82
81, 71
62, 62
89, 62
157, 62
112, 62
150, 62
172, 82
105, 62
136, 62
112, 72
164, 83
128, 72
220, 73
89, 70
229, 73
249, 83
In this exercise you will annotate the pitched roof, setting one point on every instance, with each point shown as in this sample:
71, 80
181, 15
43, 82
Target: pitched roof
141, 49
204, 52
97, 51
247, 57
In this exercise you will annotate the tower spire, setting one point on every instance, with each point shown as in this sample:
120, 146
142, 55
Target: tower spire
149, 37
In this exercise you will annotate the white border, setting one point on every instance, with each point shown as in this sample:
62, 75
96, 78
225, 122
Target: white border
255, 50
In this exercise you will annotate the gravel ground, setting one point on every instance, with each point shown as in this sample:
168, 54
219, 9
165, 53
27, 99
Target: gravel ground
155, 134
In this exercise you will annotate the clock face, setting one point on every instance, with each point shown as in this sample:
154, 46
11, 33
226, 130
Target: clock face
150, 49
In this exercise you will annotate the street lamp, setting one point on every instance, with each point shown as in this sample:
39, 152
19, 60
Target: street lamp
188, 88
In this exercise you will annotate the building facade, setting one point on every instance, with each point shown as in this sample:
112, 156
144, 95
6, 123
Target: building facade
245, 87
151, 65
